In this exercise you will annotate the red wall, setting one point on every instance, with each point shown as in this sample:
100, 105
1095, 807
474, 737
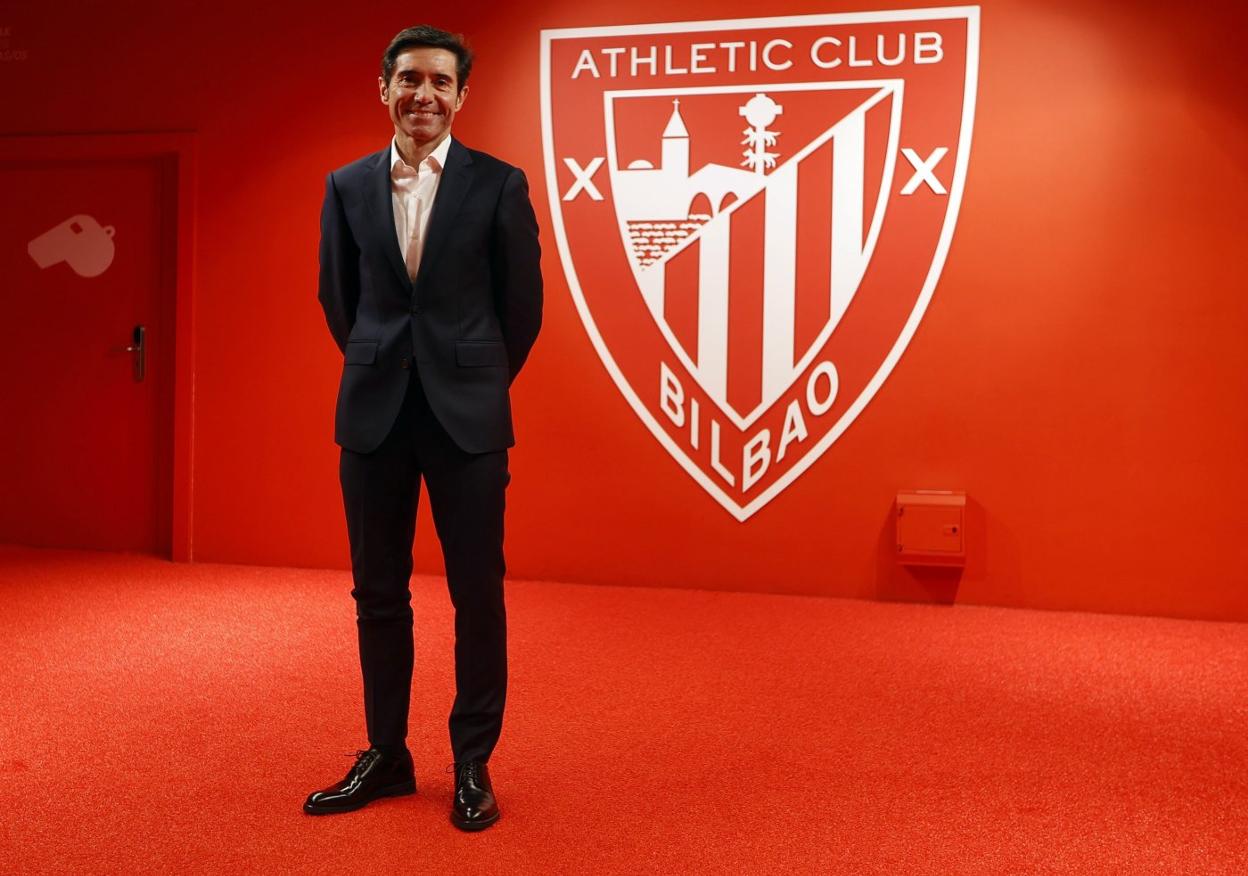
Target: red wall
1081, 370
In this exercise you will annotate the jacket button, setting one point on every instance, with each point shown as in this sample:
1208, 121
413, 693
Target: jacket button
403, 363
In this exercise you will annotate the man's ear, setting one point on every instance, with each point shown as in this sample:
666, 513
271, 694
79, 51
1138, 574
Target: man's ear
459, 98
381, 86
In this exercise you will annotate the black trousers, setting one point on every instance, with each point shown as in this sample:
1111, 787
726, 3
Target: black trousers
466, 495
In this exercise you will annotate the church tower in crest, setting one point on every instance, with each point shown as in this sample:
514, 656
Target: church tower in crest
675, 163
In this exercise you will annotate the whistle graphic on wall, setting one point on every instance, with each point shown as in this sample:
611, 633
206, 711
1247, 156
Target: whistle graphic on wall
79, 241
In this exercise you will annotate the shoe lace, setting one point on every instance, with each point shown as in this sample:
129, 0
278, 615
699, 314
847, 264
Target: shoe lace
469, 770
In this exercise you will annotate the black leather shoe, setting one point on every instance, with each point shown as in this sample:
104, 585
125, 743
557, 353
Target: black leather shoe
475, 807
375, 774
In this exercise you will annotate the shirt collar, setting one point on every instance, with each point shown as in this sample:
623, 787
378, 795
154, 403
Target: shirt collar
436, 159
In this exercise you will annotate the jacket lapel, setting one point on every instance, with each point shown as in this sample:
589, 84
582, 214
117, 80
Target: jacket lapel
454, 185
378, 198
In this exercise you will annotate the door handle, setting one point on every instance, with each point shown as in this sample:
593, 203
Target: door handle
138, 346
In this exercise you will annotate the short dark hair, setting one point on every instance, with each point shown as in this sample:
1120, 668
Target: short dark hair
424, 35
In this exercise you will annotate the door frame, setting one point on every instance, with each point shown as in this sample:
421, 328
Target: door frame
176, 152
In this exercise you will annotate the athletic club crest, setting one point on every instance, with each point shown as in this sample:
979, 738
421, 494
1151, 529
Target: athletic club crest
752, 216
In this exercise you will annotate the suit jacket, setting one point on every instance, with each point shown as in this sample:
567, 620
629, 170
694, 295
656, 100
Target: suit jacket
465, 325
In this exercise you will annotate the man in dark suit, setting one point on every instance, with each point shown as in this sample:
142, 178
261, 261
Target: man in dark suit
431, 286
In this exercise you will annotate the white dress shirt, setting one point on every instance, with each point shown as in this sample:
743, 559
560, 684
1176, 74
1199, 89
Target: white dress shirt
412, 190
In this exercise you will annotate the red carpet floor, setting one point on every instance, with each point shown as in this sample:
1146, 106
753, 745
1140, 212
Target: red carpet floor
161, 718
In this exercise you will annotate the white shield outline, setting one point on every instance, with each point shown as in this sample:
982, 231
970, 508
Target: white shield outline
956, 189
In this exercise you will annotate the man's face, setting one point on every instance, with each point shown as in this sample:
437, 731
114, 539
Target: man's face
423, 93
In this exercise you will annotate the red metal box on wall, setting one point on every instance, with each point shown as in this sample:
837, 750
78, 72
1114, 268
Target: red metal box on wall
931, 528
